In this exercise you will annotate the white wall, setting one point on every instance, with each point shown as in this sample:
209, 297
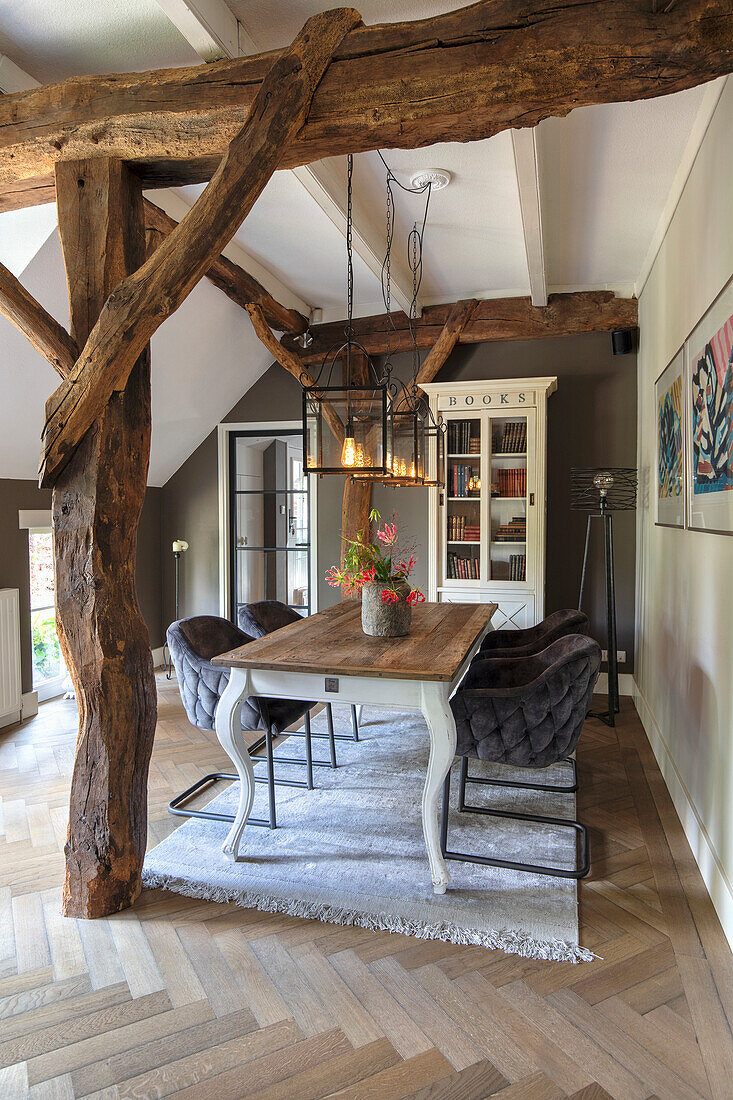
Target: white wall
684, 646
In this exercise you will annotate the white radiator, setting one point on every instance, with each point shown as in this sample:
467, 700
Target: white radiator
10, 683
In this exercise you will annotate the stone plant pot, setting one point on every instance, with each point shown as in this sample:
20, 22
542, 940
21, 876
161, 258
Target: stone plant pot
385, 620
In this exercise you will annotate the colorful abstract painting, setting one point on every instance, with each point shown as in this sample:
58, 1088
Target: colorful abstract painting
670, 441
669, 392
710, 394
712, 413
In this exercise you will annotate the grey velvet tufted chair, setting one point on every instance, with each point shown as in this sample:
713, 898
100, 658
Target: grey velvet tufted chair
527, 712
193, 643
265, 616
524, 643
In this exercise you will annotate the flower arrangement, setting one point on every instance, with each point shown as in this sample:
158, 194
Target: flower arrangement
376, 559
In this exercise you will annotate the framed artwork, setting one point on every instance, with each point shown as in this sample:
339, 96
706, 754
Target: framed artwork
669, 392
710, 419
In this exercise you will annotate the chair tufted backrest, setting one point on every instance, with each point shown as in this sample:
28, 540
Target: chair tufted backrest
258, 619
523, 643
527, 711
192, 644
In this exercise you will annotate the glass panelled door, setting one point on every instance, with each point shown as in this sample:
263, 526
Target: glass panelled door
270, 520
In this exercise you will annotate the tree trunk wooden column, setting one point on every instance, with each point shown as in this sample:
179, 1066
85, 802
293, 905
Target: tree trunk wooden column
97, 500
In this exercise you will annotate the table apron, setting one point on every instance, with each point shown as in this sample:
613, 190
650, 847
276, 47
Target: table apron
351, 689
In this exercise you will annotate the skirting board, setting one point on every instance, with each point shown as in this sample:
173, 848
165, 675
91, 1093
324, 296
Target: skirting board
707, 859
625, 684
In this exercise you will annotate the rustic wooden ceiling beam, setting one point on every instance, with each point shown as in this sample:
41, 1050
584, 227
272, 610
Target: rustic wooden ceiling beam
141, 302
44, 332
460, 76
290, 362
236, 283
450, 334
492, 319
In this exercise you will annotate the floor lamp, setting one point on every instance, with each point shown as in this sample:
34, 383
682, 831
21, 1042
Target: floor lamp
180, 546
600, 491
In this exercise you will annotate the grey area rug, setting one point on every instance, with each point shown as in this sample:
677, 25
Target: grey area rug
352, 852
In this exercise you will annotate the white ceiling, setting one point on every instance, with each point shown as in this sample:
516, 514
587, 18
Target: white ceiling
605, 176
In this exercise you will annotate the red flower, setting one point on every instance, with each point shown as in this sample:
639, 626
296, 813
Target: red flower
389, 534
388, 596
416, 596
367, 575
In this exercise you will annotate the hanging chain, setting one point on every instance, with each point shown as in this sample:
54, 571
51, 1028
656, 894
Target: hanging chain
350, 271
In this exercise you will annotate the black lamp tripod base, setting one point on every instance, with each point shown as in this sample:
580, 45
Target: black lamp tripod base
609, 716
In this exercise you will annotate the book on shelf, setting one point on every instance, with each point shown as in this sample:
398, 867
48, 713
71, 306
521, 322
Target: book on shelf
460, 439
514, 531
517, 567
460, 480
512, 483
460, 530
513, 438
460, 568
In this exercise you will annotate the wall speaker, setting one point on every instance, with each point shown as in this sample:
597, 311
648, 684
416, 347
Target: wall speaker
622, 341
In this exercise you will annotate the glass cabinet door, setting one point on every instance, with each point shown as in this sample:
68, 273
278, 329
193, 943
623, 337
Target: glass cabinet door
464, 495
510, 465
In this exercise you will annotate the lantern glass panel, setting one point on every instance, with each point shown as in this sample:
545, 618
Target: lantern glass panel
359, 414
408, 445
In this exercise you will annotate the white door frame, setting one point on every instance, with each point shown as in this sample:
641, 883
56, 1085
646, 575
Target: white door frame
223, 433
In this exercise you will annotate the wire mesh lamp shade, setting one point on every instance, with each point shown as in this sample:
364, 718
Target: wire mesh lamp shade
345, 429
598, 489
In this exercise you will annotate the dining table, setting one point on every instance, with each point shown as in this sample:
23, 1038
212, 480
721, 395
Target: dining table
327, 658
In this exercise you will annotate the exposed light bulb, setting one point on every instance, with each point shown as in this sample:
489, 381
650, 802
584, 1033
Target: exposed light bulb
359, 461
348, 451
412, 470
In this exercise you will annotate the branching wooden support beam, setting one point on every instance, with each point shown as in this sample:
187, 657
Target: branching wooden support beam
292, 365
456, 321
461, 76
492, 319
141, 302
44, 332
236, 283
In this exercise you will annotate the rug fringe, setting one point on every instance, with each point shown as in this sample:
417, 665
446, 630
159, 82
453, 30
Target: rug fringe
513, 943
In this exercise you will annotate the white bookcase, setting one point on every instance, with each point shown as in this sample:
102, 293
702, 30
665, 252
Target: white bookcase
487, 526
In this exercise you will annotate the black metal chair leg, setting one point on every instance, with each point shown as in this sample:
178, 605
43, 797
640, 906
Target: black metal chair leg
354, 722
582, 856
462, 784
331, 738
309, 750
174, 806
493, 782
271, 780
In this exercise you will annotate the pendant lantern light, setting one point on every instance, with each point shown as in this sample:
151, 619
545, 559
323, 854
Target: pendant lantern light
346, 425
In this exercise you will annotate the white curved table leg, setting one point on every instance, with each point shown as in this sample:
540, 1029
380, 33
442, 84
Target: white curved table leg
442, 727
229, 731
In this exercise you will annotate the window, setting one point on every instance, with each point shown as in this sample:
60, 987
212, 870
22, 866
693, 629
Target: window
49, 670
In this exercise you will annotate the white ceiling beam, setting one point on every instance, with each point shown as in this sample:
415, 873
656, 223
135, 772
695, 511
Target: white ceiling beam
209, 26
524, 143
14, 79
213, 30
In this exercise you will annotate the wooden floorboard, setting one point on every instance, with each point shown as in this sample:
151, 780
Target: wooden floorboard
186, 998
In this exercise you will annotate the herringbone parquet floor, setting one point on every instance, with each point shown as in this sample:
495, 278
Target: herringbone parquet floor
209, 1002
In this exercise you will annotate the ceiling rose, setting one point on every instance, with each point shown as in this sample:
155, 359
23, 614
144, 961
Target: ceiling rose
438, 177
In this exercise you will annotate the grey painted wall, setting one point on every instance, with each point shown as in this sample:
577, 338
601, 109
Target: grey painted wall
591, 421
17, 494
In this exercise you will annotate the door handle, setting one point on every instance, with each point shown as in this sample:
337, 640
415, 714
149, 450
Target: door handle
531, 500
